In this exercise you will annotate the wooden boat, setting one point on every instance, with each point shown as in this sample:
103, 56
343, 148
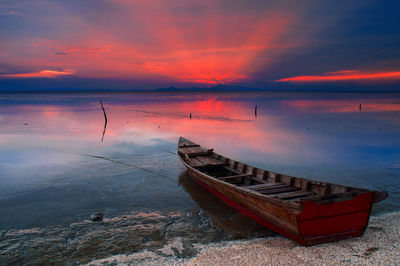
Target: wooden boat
304, 210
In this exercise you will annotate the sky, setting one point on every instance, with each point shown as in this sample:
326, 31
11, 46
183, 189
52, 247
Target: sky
122, 44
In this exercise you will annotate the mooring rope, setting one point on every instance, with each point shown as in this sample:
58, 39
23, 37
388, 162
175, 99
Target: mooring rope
110, 159
127, 164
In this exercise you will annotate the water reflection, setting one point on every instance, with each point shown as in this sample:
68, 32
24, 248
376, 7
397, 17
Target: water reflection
235, 224
52, 166
343, 105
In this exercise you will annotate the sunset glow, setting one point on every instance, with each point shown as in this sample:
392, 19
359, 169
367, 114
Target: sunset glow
118, 44
346, 75
204, 47
39, 74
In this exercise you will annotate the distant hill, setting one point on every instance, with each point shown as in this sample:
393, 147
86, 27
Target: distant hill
218, 88
100, 87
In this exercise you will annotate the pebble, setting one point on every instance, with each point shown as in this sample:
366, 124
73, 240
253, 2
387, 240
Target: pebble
98, 217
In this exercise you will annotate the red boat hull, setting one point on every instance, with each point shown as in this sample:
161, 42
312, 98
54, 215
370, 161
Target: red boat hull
318, 223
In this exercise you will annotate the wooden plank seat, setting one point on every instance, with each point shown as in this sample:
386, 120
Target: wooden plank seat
188, 145
192, 149
195, 151
225, 178
194, 162
208, 160
200, 153
259, 180
204, 161
250, 175
264, 186
282, 189
293, 194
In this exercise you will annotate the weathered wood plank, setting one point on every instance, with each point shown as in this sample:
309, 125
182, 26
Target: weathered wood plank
194, 154
208, 160
231, 177
192, 149
197, 151
293, 194
194, 162
188, 145
277, 190
259, 180
263, 186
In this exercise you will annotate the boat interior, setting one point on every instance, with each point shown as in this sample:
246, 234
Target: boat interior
255, 180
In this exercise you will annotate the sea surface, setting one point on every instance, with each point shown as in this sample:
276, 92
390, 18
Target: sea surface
59, 164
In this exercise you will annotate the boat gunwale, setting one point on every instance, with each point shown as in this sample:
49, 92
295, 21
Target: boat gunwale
291, 204
275, 201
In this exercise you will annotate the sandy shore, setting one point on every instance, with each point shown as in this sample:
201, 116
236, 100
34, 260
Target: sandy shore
380, 244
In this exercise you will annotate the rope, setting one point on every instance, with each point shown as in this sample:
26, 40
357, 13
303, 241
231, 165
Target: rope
127, 164
114, 160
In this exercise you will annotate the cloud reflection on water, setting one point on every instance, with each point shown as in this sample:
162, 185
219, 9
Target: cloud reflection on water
44, 139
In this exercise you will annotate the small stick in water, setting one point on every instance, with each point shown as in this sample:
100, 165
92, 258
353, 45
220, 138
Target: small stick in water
104, 112
105, 120
190, 115
255, 111
360, 107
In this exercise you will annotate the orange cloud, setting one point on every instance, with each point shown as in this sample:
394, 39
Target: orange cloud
345, 75
39, 74
89, 50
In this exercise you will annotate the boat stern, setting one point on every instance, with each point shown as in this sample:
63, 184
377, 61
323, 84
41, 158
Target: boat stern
333, 221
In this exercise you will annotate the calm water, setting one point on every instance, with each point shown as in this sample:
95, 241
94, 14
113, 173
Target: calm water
56, 168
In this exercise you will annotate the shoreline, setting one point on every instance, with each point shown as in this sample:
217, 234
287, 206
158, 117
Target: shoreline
378, 245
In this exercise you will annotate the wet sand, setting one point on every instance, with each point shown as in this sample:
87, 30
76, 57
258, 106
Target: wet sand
380, 244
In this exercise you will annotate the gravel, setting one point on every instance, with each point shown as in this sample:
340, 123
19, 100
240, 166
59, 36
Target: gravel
380, 244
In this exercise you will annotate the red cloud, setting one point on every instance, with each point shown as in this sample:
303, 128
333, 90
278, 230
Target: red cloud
39, 74
89, 50
345, 75
189, 48
182, 41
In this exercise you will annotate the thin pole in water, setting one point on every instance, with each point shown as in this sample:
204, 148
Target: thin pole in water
105, 120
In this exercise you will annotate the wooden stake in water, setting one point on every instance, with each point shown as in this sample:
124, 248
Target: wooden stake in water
255, 111
105, 120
